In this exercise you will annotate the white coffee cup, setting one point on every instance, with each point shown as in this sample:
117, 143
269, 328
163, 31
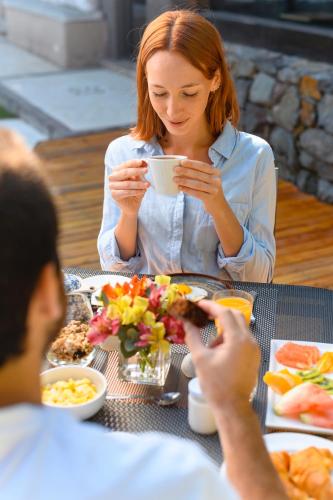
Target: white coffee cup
161, 171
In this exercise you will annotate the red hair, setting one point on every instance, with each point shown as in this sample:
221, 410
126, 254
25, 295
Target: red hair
196, 39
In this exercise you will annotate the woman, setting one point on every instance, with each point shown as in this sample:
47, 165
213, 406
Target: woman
223, 216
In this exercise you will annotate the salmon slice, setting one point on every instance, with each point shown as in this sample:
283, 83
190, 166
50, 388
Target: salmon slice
302, 357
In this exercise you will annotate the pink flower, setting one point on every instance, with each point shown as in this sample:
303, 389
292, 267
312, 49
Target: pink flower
101, 327
155, 297
174, 329
145, 333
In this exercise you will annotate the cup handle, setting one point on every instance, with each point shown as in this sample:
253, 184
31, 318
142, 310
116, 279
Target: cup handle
144, 177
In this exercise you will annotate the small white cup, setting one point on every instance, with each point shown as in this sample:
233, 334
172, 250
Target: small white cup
161, 170
200, 416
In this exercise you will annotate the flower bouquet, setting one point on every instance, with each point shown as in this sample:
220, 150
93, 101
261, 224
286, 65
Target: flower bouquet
137, 313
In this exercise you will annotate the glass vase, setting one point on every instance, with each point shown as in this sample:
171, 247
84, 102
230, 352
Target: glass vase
145, 367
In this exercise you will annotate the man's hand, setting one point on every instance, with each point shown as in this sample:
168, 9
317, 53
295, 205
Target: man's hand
228, 369
228, 372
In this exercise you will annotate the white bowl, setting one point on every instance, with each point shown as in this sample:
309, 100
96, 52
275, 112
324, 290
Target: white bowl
84, 410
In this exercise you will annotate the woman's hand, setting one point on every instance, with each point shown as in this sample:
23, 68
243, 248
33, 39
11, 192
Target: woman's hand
202, 181
128, 186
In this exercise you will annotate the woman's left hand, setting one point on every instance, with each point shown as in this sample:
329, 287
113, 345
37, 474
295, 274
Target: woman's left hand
202, 181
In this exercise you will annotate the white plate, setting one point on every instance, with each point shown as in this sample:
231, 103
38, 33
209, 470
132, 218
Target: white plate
100, 280
276, 422
295, 441
196, 294
280, 441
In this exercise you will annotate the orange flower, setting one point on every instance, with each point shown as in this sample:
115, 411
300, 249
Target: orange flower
135, 287
109, 291
138, 286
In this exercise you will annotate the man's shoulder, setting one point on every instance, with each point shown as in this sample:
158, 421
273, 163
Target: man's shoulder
149, 459
101, 440
153, 451
145, 444
106, 464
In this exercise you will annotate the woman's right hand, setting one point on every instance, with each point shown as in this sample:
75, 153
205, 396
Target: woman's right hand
128, 186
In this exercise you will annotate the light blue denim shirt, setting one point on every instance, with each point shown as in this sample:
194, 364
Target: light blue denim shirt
176, 234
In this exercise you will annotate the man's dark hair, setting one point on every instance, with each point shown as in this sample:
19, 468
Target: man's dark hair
28, 238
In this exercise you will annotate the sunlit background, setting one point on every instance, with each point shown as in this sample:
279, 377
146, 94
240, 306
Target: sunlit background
67, 84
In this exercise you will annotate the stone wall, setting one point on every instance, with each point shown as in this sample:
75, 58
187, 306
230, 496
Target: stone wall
289, 102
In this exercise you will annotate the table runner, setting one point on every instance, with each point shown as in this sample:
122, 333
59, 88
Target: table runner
281, 311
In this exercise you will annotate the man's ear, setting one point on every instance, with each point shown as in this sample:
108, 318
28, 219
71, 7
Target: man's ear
46, 296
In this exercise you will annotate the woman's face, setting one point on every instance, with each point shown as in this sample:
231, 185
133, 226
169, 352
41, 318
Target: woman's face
178, 92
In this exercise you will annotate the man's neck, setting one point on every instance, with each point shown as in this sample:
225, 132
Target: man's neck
19, 381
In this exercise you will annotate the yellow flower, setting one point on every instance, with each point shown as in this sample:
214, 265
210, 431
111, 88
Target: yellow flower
141, 302
149, 318
171, 294
162, 280
123, 302
117, 307
113, 311
119, 291
132, 315
183, 288
156, 339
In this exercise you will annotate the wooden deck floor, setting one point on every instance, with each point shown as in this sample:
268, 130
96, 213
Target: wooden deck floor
304, 226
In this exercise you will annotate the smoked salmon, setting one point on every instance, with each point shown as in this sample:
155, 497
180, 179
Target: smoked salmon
299, 356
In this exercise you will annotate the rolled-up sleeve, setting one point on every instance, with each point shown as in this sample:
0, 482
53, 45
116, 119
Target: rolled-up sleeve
107, 243
256, 258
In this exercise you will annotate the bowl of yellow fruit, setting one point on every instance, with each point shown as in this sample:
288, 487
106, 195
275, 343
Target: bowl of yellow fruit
76, 389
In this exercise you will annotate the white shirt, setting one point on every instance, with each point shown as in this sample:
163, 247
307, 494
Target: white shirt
47, 455
175, 234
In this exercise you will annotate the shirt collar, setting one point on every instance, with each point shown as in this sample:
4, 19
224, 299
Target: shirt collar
136, 144
223, 146
147, 146
226, 141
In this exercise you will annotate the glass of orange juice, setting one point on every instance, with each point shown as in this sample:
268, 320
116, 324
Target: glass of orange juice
234, 299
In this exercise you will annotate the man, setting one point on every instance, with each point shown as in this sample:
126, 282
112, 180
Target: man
45, 454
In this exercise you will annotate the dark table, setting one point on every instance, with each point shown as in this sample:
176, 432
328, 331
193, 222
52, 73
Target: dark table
281, 312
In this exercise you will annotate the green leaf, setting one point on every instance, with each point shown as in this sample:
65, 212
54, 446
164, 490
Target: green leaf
124, 352
129, 346
104, 298
132, 334
122, 334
